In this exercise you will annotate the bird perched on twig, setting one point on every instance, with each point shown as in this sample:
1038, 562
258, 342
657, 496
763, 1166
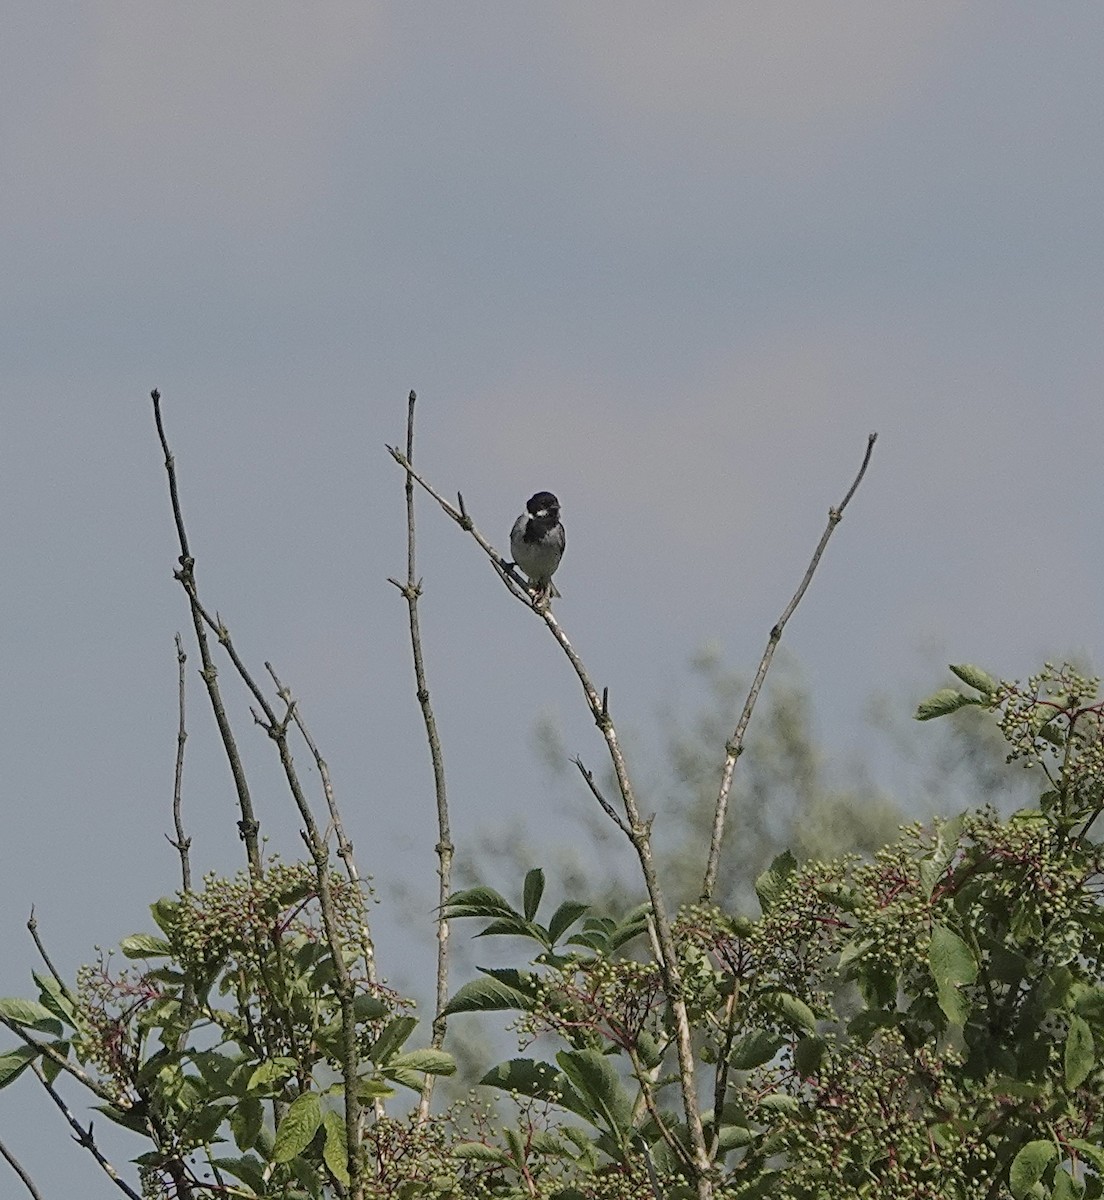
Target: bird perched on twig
537, 543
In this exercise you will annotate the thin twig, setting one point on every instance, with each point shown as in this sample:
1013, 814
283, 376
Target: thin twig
182, 844
83, 1137
19, 1169
344, 846
248, 826
60, 1060
344, 986
411, 590
639, 833
596, 792
32, 927
735, 746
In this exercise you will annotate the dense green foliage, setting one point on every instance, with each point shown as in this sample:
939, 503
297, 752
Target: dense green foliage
928, 1022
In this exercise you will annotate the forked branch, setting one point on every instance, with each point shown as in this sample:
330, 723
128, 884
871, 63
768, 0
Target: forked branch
637, 828
735, 746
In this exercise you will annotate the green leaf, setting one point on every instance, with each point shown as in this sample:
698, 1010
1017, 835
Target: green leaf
249, 1169
128, 1118
792, 1011
769, 885
808, 1054
595, 1079
271, 1074
532, 892
975, 677
479, 902
1090, 1150
166, 914
246, 1120
513, 927
1079, 1052
369, 1008
940, 703
52, 995
480, 1152
754, 1048
29, 1013
145, 945
952, 964
1066, 1187
334, 1149
529, 1077
564, 917
14, 1063
486, 995
1028, 1166
428, 1061
296, 1131
391, 1040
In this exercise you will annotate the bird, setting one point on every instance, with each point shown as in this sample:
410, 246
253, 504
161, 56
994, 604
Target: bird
537, 543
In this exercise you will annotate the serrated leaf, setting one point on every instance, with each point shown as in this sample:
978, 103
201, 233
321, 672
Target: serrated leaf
532, 892
1066, 1187
792, 1010
808, 1055
166, 914
246, 1120
595, 1078
428, 1061
939, 704
52, 995
14, 1063
391, 1040
479, 902
272, 1072
1090, 1150
1079, 1055
369, 1008
333, 1148
529, 1077
1028, 1166
297, 1129
780, 1102
31, 1014
952, 964
769, 885
485, 995
564, 917
145, 945
250, 1170
513, 927
754, 1048
975, 677
480, 1152
128, 1118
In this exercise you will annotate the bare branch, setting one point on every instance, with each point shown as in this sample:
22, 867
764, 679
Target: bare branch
596, 792
18, 1168
344, 846
735, 745
248, 826
83, 1137
60, 1060
411, 590
32, 928
639, 831
182, 844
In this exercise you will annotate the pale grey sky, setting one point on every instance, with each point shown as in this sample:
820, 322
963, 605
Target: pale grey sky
673, 262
